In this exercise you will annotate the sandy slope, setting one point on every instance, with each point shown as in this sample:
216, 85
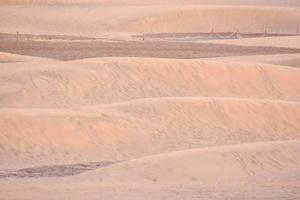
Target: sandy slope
205, 19
11, 58
89, 20
148, 128
288, 41
159, 2
225, 163
292, 60
256, 170
243, 143
181, 129
92, 20
109, 80
138, 128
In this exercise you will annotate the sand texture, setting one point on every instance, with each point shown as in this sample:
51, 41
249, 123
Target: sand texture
131, 100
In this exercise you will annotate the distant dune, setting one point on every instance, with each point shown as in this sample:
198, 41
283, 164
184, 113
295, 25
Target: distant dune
288, 42
158, 2
219, 19
94, 20
11, 58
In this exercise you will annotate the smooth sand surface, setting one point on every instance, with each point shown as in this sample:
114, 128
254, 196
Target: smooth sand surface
111, 80
222, 163
127, 130
12, 58
193, 122
94, 109
288, 42
93, 20
292, 60
158, 2
260, 169
220, 19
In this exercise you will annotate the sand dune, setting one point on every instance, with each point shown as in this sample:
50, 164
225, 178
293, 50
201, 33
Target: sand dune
123, 113
292, 60
256, 170
225, 163
289, 42
94, 20
10, 58
90, 20
125, 108
109, 80
138, 128
159, 2
206, 19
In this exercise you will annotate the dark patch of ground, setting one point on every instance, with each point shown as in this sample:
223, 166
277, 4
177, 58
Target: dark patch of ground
54, 170
211, 35
72, 50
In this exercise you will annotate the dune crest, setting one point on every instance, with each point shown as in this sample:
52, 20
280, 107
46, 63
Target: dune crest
224, 163
126, 130
97, 19
219, 19
87, 82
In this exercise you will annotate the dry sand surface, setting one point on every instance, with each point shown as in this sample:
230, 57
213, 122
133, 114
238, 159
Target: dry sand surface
287, 42
127, 130
128, 99
288, 3
93, 19
13, 58
113, 80
292, 60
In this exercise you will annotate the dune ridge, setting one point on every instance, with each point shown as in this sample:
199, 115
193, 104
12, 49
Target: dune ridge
126, 130
262, 169
11, 58
87, 82
225, 163
98, 19
291, 60
156, 2
245, 19
285, 41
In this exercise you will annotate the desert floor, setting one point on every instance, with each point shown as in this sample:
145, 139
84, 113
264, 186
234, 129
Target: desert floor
128, 99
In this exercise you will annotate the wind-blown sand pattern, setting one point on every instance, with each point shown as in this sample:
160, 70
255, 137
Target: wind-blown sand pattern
128, 99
